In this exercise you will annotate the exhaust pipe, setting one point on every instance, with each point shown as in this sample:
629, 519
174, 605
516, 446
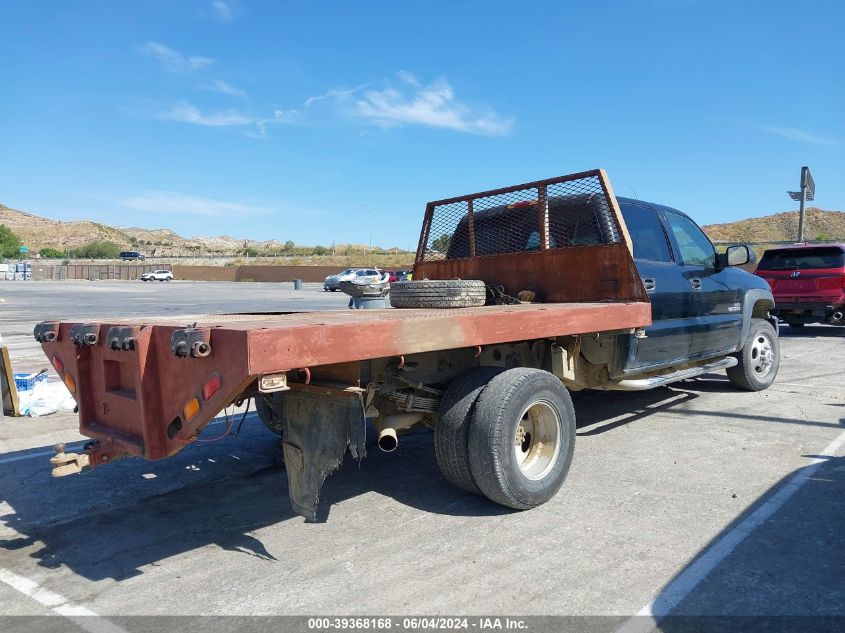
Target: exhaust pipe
388, 439
836, 317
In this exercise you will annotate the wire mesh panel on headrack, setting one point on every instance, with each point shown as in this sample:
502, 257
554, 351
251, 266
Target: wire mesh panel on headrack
580, 214
445, 240
507, 223
555, 213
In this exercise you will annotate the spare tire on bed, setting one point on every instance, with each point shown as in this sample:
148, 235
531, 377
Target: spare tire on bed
438, 293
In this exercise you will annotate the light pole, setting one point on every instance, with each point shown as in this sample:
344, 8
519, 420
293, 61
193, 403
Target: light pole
807, 192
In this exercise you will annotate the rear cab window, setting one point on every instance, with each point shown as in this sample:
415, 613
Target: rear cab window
821, 257
647, 234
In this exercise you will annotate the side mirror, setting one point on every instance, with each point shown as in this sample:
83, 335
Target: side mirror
739, 254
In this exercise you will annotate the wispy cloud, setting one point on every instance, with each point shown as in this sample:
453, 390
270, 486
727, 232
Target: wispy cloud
284, 117
802, 136
408, 78
223, 10
174, 61
432, 105
335, 94
184, 112
171, 202
218, 85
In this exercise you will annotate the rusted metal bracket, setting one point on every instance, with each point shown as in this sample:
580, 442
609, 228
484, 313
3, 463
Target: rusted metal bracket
46, 332
122, 338
193, 342
85, 334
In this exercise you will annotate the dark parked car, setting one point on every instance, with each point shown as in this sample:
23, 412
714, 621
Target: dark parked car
808, 282
131, 255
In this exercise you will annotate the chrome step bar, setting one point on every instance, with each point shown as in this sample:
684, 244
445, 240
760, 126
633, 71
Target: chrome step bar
641, 384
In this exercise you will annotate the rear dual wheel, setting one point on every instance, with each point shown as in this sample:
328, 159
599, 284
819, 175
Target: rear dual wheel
519, 427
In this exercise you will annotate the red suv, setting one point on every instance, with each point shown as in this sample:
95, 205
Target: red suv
808, 282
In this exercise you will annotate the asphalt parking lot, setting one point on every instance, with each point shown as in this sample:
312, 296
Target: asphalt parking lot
696, 499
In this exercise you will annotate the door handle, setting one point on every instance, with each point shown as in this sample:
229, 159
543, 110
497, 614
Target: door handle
695, 282
649, 284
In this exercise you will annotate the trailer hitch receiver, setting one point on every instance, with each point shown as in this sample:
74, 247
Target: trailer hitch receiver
68, 463
122, 338
193, 342
46, 332
85, 334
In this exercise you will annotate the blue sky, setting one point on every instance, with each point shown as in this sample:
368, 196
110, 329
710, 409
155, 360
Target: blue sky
321, 121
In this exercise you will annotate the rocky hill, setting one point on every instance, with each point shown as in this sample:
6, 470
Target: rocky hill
818, 225
37, 233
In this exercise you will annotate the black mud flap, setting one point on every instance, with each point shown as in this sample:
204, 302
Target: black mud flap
317, 431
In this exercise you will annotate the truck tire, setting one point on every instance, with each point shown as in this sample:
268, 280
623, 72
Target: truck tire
522, 438
270, 407
759, 358
439, 293
451, 434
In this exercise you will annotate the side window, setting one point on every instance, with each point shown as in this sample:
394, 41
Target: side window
696, 249
646, 233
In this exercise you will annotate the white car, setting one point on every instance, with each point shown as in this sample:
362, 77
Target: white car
157, 275
332, 282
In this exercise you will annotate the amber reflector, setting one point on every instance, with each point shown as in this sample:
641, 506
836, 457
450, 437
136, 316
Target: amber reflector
189, 412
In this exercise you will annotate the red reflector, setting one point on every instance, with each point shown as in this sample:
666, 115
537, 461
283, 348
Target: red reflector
58, 364
211, 387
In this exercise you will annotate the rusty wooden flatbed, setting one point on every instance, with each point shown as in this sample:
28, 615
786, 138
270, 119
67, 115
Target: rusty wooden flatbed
283, 342
130, 397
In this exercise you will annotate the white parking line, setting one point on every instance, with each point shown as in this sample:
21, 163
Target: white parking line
79, 615
647, 618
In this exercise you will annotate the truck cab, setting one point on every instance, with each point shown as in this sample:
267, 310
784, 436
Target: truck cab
701, 302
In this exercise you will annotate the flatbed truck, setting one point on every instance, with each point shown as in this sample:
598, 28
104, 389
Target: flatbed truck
598, 310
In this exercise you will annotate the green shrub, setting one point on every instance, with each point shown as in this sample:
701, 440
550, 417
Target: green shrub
9, 243
96, 250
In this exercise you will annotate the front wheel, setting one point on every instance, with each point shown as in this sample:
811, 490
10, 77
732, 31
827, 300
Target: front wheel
759, 358
522, 438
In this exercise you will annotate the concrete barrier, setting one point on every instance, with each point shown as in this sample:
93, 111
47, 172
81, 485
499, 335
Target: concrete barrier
92, 272
206, 273
128, 272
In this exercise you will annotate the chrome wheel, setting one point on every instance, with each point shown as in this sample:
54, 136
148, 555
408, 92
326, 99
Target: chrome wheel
537, 440
762, 355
